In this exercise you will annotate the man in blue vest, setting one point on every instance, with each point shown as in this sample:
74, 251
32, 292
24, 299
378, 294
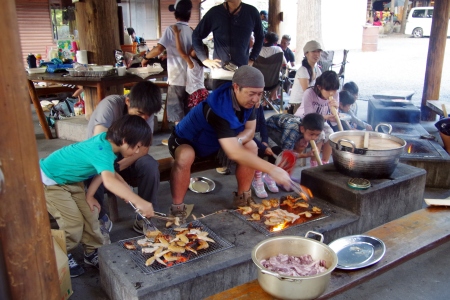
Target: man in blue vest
226, 119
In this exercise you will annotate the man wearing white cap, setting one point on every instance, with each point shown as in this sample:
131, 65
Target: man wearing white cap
226, 119
177, 97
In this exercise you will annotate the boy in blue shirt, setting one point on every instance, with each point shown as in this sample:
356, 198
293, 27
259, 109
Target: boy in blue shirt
64, 171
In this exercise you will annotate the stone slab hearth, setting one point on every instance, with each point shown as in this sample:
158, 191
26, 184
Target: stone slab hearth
122, 279
350, 212
386, 199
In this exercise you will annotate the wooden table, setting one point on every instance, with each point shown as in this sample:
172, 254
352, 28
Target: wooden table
101, 84
405, 238
436, 106
394, 94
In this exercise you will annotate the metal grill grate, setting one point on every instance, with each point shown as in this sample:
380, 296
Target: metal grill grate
139, 258
407, 129
264, 229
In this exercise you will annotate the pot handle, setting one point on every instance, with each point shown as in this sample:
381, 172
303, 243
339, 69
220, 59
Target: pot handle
280, 277
347, 141
316, 233
389, 126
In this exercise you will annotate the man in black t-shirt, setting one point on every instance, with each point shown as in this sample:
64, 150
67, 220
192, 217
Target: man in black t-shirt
288, 54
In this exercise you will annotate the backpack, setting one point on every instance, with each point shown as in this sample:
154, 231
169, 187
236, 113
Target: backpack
64, 109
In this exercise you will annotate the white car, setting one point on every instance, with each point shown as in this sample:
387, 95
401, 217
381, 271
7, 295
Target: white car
419, 20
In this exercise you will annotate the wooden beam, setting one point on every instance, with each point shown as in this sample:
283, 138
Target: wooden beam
435, 59
275, 16
27, 248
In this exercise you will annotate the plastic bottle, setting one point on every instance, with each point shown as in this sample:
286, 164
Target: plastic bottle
31, 60
38, 59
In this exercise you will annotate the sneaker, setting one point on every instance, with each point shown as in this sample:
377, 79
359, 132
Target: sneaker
105, 228
270, 183
105, 223
165, 142
75, 269
223, 170
179, 211
138, 225
258, 186
91, 259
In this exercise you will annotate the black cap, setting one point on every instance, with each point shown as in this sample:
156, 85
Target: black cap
263, 12
181, 5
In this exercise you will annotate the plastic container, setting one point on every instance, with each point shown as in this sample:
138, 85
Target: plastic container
79, 108
52, 54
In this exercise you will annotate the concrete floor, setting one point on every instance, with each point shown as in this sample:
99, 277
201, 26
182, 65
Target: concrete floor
399, 63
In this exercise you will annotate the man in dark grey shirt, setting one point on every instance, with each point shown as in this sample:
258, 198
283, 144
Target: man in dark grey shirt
139, 170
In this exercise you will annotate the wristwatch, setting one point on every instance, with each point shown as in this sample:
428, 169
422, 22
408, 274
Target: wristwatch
240, 141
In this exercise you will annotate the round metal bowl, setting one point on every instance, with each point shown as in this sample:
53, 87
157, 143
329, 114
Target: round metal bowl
201, 185
290, 287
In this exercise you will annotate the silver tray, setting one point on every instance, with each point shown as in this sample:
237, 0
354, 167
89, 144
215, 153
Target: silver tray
357, 251
201, 185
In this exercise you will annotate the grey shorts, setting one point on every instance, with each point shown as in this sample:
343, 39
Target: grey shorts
177, 103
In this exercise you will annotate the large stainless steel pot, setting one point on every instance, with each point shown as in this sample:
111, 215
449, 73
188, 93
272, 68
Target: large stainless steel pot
289, 287
379, 160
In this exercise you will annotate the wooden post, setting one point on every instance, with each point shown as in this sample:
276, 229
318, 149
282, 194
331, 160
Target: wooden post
404, 16
27, 249
435, 59
98, 25
275, 16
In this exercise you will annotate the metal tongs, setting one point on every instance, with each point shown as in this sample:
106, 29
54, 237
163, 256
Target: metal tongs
156, 215
300, 190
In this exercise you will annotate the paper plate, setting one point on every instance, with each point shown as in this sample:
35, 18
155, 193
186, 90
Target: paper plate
201, 185
357, 251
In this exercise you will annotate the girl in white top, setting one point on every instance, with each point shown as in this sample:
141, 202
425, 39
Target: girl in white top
306, 75
195, 80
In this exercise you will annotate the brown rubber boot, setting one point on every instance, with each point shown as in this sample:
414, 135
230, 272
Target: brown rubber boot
248, 197
179, 210
239, 200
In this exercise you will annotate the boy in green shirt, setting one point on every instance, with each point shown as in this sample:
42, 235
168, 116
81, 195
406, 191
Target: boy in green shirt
64, 171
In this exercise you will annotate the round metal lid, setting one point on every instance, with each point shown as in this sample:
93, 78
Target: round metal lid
359, 183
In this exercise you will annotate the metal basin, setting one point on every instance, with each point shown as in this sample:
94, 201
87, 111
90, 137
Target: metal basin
290, 287
379, 160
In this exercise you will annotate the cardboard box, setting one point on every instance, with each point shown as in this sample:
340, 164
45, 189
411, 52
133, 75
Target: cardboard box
62, 263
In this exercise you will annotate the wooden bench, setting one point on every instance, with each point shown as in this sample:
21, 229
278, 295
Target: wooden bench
405, 238
165, 167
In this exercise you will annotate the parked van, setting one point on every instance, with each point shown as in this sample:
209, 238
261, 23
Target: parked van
418, 23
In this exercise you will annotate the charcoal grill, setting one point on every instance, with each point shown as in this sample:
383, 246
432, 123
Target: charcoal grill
264, 229
139, 258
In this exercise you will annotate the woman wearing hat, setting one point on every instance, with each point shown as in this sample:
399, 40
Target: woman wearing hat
306, 75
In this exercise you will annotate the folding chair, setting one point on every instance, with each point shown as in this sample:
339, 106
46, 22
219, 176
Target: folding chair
326, 60
341, 72
270, 68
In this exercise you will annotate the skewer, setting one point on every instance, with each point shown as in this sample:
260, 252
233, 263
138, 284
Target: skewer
444, 110
336, 115
316, 152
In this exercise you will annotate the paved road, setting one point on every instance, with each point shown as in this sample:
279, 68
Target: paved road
399, 63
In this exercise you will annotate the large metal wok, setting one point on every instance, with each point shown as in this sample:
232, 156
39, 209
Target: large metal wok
378, 160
